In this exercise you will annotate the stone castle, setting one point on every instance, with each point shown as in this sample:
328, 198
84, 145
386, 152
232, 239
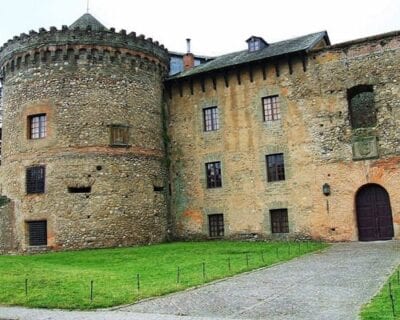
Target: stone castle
102, 147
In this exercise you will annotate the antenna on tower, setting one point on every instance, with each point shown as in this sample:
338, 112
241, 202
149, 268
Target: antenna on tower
87, 6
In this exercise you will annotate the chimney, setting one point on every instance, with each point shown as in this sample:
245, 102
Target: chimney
188, 58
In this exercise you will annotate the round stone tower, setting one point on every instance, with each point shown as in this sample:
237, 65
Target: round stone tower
83, 156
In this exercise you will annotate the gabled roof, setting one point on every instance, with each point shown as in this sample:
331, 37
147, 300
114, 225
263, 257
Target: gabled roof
88, 20
273, 50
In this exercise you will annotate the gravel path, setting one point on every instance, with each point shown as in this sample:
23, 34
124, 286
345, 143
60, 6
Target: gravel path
332, 284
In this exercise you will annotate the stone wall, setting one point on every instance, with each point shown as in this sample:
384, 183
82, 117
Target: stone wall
314, 134
86, 86
7, 224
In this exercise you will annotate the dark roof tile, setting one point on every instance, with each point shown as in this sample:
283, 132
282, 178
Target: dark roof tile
276, 49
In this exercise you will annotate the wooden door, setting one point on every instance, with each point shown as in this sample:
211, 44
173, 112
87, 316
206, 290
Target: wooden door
374, 214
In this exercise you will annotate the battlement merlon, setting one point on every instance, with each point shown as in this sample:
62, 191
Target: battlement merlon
76, 35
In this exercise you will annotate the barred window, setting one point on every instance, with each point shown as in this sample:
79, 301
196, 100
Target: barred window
37, 126
37, 233
211, 119
35, 179
271, 108
216, 225
119, 135
275, 167
213, 171
279, 221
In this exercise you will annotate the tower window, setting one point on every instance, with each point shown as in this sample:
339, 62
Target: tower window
213, 171
271, 108
279, 221
211, 119
37, 233
35, 179
119, 135
37, 126
361, 106
86, 189
275, 167
216, 225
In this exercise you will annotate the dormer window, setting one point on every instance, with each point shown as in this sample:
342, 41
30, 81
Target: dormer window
256, 43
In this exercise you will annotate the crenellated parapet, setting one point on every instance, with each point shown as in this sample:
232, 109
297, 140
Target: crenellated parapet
71, 45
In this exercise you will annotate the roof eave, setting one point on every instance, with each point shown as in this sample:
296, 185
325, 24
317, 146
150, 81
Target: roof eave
223, 69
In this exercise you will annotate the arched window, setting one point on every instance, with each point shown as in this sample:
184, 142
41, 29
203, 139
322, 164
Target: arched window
361, 106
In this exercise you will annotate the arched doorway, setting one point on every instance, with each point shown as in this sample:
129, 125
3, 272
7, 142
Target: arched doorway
374, 214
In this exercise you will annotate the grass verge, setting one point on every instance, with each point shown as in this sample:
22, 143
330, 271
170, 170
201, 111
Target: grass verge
386, 304
124, 275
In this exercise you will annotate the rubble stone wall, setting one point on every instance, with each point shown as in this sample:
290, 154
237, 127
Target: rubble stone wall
314, 134
86, 83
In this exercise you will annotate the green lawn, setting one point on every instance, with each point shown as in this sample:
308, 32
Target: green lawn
62, 279
381, 306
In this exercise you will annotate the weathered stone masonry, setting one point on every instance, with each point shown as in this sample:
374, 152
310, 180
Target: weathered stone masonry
86, 81
314, 135
126, 156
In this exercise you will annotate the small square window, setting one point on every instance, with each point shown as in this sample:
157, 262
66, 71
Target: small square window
37, 126
37, 233
119, 135
211, 119
35, 179
275, 167
216, 225
213, 171
271, 108
254, 45
279, 221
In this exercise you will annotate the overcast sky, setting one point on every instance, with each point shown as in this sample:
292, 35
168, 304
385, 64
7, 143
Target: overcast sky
215, 26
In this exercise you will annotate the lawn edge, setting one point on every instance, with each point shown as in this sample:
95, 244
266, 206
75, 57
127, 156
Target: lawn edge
392, 272
213, 281
117, 307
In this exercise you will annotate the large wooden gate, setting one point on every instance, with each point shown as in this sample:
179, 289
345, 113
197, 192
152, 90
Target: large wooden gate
374, 214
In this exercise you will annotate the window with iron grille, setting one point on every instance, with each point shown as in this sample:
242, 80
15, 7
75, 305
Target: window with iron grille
275, 167
213, 171
279, 221
119, 135
37, 126
35, 178
271, 108
216, 225
37, 233
211, 119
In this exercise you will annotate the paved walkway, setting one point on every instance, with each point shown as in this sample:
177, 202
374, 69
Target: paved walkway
332, 284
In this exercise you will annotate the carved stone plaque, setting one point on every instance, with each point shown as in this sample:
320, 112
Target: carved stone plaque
365, 148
